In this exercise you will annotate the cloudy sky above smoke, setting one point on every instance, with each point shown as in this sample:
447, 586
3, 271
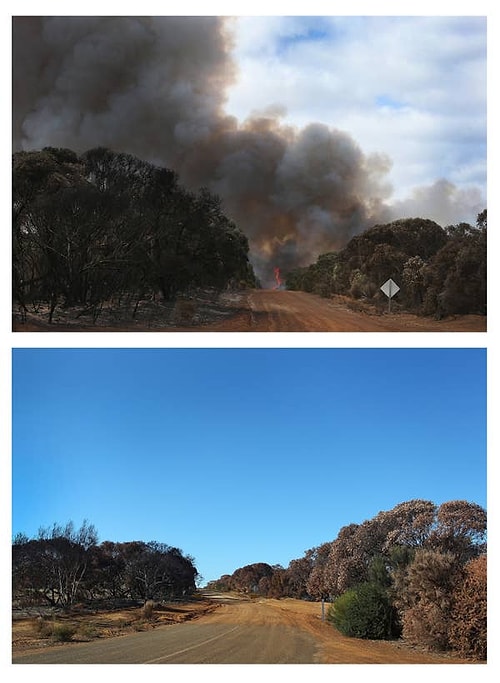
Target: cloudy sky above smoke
311, 129
413, 88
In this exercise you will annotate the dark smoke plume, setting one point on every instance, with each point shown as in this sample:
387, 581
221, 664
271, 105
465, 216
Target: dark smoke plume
155, 87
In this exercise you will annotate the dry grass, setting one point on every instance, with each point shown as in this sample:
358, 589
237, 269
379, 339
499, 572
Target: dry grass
79, 626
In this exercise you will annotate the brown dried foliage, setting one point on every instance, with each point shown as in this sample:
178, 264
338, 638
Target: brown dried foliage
428, 598
468, 628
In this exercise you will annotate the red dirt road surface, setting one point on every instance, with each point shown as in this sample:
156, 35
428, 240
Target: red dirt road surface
273, 311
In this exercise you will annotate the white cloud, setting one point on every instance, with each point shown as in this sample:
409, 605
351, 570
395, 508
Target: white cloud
429, 71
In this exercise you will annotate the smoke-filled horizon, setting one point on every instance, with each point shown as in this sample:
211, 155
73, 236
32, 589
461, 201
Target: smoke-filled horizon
157, 87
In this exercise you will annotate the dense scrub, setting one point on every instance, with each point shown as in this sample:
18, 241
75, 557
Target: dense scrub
418, 570
365, 612
63, 566
107, 226
468, 623
441, 271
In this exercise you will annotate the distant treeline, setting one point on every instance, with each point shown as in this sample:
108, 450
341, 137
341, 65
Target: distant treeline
107, 226
441, 271
62, 566
416, 571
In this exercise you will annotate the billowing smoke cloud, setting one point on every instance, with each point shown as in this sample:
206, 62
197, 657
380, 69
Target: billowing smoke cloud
447, 204
150, 86
155, 87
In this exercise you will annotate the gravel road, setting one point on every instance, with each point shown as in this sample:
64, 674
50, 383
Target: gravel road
208, 641
238, 631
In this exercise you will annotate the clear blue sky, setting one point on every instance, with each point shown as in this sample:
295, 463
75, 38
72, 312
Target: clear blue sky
241, 455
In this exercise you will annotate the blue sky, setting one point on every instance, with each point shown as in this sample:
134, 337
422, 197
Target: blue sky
241, 455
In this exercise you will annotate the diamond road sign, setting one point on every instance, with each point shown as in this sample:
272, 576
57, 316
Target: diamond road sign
390, 288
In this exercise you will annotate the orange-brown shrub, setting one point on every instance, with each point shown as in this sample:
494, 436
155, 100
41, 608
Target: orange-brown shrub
469, 614
430, 583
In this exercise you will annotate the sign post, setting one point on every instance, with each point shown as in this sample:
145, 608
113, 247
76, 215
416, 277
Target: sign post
390, 288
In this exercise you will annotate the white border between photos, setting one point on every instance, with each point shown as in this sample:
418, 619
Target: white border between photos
10, 340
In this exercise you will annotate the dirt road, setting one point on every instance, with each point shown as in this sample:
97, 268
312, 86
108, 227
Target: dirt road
284, 311
238, 632
268, 311
190, 643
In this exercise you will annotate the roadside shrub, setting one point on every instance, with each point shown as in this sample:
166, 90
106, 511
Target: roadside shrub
59, 632
427, 598
124, 623
88, 631
63, 633
42, 627
469, 613
425, 625
365, 612
358, 285
148, 609
338, 612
